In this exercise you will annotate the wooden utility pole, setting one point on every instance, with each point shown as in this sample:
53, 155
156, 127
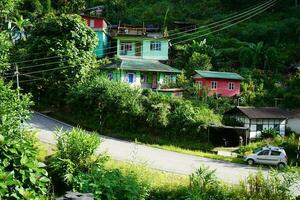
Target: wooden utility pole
18, 83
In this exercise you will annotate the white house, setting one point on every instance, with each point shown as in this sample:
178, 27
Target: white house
258, 119
294, 121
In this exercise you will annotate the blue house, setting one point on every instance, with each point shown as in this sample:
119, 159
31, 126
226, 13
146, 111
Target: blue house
100, 26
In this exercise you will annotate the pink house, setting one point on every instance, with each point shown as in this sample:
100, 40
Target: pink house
219, 83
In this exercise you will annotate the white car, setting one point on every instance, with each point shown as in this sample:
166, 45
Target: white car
269, 155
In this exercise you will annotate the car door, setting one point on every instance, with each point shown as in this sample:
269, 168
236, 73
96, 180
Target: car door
274, 157
262, 157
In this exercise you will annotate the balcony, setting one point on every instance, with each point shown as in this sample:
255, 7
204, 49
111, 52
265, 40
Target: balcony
131, 31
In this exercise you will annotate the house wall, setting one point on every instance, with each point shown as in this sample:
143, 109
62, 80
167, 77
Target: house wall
146, 53
252, 124
129, 53
156, 55
99, 24
122, 75
294, 124
222, 86
103, 44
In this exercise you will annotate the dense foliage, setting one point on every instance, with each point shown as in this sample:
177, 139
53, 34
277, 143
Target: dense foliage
68, 43
137, 110
76, 166
21, 175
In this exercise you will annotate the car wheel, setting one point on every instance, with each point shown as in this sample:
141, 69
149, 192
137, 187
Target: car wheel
250, 162
281, 165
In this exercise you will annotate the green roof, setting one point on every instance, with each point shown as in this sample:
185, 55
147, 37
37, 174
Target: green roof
220, 75
141, 65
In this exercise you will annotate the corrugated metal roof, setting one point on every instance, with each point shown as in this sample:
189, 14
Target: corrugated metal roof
261, 112
220, 75
142, 65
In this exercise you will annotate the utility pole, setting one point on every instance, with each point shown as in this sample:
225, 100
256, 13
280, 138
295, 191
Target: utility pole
298, 151
18, 83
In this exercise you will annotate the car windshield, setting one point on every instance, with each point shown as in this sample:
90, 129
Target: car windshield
257, 150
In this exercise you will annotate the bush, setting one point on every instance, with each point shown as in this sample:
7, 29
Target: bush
204, 185
75, 154
110, 184
269, 133
21, 175
276, 186
137, 110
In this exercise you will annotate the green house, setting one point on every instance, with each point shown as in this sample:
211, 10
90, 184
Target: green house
141, 72
140, 54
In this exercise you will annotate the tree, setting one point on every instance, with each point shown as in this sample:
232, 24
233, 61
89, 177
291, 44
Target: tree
5, 47
69, 6
21, 175
199, 61
69, 42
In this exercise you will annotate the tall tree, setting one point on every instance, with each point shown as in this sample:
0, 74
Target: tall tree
69, 43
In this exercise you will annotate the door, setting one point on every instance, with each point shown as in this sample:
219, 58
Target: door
263, 156
154, 81
274, 157
138, 49
130, 78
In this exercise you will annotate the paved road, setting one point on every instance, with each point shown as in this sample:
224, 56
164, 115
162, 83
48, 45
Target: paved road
153, 157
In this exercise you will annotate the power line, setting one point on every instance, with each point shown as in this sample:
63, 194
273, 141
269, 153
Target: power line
217, 22
226, 26
238, 16
60, 68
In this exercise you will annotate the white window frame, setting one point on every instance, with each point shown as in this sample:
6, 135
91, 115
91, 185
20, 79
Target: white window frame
155, 46
214, 85
200, 83
92, 23
231, 86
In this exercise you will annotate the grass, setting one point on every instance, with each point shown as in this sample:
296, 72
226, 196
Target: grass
156, 179
198, 153
185, 146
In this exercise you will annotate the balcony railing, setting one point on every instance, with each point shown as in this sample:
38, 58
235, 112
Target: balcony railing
131, 31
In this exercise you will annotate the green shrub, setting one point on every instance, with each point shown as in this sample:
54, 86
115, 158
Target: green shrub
204, 185
275, 186
75, 154
110, 184
21, 175
269, 133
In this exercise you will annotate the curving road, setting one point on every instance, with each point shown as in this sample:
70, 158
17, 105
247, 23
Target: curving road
152, 157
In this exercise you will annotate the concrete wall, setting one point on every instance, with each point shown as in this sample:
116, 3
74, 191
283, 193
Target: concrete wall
294, 124
103, 44
146, 53
156, 55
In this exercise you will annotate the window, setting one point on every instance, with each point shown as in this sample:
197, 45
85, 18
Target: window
275, 153
214, 85
200, 83
231, 86
277, 127
155, 46
125, 47
92, 23
259, 127
264, 153
110, 76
